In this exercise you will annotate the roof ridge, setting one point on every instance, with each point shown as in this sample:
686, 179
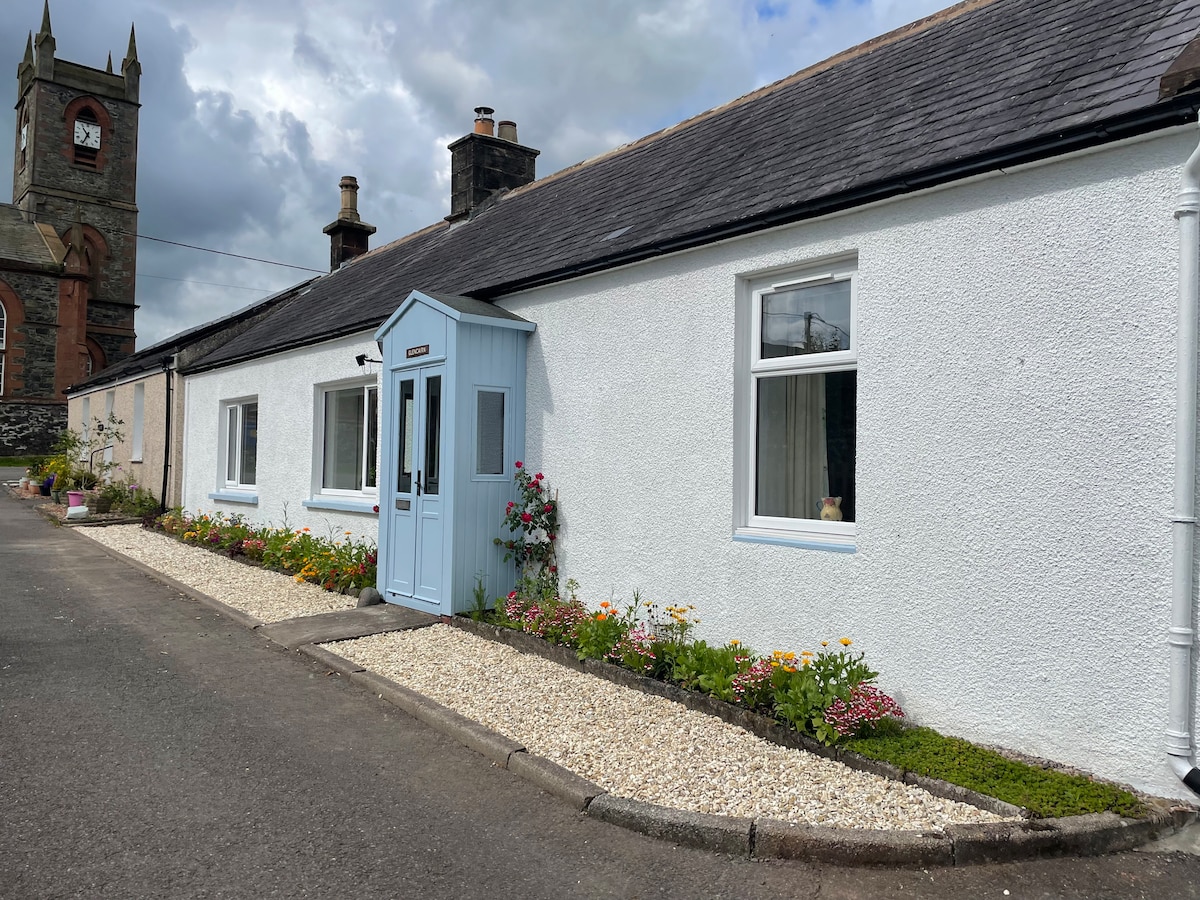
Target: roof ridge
891, 37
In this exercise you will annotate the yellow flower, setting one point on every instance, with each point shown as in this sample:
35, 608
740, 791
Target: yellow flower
824, 643
777, 654
735, 642
789, 668
775, 663
806, 661
789, 656
845, 642
345, 532
806, 653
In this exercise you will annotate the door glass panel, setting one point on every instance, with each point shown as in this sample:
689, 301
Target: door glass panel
489, 454
404, 483
433, 432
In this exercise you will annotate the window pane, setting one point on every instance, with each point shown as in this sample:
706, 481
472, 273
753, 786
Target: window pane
489, 457
249, 442
805, 454
404, 481
806, 320
231, 445
433, 432
342, 466
372, 435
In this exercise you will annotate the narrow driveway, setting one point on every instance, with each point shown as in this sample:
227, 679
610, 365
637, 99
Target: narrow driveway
151, 748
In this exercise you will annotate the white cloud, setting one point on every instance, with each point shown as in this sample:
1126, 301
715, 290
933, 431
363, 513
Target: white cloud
251, 112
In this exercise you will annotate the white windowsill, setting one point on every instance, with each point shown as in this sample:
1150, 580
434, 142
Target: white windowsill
235, 497
342, 504
807, 540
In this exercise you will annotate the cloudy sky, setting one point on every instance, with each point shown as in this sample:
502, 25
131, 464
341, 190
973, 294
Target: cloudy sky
253, 109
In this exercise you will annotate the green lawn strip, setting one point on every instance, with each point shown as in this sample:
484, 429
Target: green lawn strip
1044, 792
8, 462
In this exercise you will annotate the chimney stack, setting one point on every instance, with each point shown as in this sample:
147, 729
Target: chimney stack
485, 163
348, 233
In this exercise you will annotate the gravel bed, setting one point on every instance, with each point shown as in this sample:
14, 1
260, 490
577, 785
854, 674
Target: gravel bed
268, 596
643, 747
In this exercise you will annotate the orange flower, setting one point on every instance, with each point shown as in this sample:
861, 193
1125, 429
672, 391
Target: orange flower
604, 604
600, 617
845, 642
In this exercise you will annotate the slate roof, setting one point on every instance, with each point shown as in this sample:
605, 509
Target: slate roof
202, 337
982, 84
25, 244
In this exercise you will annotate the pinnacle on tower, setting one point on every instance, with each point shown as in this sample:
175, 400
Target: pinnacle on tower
131, 53
45, 19
28, 60
108, 68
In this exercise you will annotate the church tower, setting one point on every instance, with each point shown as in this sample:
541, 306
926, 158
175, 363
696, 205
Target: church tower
75, 169
66, 297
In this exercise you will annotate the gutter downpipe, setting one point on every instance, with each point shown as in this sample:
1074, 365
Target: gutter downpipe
166, 367
1180, 636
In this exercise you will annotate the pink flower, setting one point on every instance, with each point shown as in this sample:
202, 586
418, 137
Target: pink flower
511, 504
547, 508
538, 477
526, 518
512, 595
519, 464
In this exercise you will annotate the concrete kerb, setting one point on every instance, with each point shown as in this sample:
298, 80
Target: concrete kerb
763, 838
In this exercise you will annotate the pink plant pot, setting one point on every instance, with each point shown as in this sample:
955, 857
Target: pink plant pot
74, 498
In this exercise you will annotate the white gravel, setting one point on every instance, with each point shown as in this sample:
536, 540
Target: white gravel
268, 596
631, 744
643, 747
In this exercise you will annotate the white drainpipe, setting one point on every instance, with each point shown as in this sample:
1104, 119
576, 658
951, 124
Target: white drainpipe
1181, 637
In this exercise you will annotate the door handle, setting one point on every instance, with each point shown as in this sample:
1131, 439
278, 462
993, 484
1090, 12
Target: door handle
418, 482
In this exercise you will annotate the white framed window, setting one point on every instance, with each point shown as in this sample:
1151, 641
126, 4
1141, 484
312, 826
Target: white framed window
349, 439
797, 407
239, 431
139, 415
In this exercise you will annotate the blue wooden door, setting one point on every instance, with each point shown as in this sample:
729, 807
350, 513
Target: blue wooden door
416, 533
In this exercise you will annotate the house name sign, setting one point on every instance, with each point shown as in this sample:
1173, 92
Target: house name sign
413, 352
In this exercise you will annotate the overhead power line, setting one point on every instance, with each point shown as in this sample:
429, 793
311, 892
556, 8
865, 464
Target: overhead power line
238, 287
145, 237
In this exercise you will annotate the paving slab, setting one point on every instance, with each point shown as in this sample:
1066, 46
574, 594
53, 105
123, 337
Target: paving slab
345, 624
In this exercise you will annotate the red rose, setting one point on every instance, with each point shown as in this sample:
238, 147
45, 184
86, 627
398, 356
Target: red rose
375, 508
552, 537
511, 504
512, 595
553, 569
539, 476
547, 508
519, 464
526, 518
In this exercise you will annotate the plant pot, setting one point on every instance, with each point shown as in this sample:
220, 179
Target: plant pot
74, 498
44, 490
103, 504
56, 496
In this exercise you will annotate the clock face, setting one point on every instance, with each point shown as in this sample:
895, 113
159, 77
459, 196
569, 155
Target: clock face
87, 135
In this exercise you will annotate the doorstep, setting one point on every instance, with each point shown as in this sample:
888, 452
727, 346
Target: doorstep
345, 625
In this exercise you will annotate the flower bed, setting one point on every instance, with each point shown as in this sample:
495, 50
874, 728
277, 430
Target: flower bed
336, 562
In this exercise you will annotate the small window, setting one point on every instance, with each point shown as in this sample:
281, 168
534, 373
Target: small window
139, 415
240, 427
798, 402
350, 440
489, 433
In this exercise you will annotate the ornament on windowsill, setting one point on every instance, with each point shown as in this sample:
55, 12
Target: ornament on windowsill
831, 509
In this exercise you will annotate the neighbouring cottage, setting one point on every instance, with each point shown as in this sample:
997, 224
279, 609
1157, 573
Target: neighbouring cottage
68, 242
931, 283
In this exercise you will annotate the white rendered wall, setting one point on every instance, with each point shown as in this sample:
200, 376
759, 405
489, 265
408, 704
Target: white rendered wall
285, 385
1014, 462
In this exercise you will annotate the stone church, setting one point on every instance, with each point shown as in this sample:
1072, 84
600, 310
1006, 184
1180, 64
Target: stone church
68, 240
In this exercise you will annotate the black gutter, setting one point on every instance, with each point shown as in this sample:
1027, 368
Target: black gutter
162, 501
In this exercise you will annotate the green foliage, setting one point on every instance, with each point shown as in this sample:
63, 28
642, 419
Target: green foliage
1044, 792
336, 562
532, 521
598, 633
805, 686
699, 667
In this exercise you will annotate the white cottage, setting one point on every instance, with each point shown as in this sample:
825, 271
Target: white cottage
933, 283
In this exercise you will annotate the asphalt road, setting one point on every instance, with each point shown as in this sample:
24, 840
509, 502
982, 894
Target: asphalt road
151, 748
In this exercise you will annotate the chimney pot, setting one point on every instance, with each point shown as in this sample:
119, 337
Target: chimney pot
507, 131
348, 234
484, 123
349, 186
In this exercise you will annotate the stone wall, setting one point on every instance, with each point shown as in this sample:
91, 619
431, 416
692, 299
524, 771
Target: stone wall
30, 428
